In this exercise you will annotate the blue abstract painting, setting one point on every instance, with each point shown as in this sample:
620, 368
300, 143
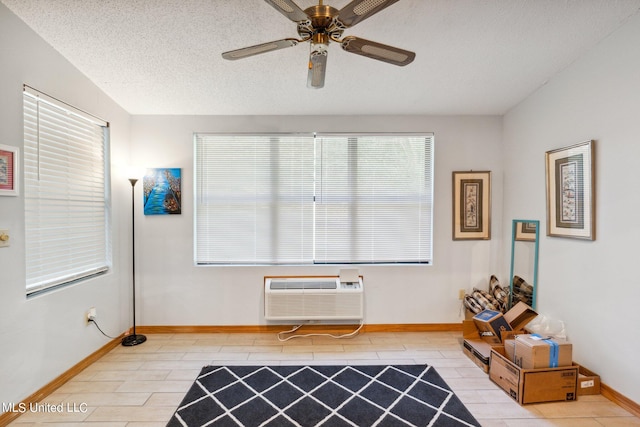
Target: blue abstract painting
162, 191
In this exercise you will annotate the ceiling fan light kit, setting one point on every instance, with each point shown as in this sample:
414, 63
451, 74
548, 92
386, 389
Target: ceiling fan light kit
321, 24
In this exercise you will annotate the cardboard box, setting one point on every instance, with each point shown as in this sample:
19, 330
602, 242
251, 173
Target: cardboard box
469, 329
491, 324
519, 315
478, 351
494, 327
510, 349
532, 351
468, 314
479, 334
588, 382
532, 385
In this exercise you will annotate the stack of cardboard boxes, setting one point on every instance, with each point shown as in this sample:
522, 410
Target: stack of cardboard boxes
529, 367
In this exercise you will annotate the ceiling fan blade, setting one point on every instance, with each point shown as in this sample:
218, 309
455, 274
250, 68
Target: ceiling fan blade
289, 9
359, 10
317, 65
379, 51
259, 48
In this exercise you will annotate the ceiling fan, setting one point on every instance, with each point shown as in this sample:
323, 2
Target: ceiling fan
322, 24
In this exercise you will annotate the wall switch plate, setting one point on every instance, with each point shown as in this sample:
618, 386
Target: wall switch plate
4, 238
461, 293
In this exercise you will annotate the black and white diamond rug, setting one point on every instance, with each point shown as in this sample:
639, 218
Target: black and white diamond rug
330, 396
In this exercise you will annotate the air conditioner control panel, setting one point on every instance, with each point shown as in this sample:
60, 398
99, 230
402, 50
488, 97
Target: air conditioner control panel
351, 285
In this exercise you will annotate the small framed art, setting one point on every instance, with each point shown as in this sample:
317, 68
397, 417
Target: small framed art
570, 191
472, 205
9, 177
526, 231
162, 191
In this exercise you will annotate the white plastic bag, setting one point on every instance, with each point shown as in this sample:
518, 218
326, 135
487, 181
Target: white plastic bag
545, 326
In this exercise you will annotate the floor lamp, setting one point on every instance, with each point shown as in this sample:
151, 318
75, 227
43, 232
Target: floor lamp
133, 338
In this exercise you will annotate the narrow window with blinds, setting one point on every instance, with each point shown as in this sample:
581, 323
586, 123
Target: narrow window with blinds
313, 199
66, 193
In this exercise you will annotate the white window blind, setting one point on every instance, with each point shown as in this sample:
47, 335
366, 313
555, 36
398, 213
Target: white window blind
304, 199
373, 201
66, 195
254, 199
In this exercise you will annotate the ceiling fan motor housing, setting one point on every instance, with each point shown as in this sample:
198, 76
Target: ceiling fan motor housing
323, 19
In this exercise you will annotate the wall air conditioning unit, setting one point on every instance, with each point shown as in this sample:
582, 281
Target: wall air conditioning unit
313, 298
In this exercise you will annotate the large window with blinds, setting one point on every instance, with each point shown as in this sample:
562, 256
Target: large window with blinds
66, 193
313, 199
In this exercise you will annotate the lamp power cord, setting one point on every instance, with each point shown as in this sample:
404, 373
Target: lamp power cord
93, 320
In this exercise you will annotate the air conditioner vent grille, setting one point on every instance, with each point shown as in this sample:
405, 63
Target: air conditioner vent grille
298, 284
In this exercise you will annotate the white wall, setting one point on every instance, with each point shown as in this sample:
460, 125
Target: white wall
42, 337
594, 287
175, 292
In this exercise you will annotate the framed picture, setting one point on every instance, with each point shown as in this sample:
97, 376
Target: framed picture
570, 192
9, 177
162, 191
526, 231
472, 205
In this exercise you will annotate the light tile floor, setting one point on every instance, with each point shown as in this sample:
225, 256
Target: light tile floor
142, 386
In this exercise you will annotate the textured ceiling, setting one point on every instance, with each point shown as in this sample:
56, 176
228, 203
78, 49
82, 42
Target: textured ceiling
473, 56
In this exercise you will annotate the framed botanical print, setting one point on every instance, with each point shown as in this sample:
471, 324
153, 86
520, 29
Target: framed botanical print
9, 177
570, 191
472, 205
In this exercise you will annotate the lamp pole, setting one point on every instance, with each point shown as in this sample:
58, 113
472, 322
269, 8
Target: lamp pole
133, 338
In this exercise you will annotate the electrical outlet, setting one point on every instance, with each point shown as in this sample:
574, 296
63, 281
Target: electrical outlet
461, 293
4, 238
91, 314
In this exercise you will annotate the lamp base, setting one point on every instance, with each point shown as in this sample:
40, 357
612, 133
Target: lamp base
131, 340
